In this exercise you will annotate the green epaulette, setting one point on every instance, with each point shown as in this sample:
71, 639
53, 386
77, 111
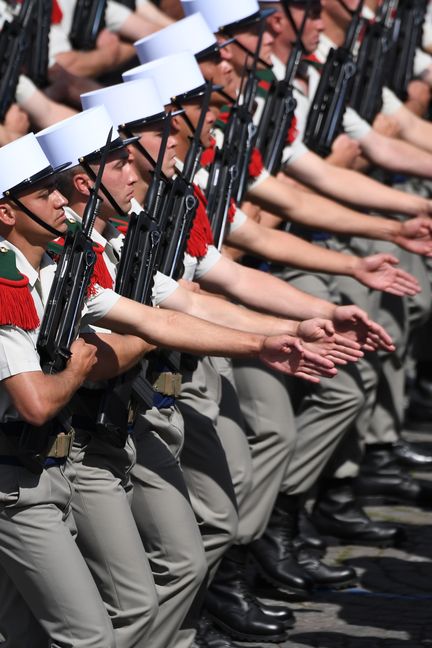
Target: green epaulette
17, 307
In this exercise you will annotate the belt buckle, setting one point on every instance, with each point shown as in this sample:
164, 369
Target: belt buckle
168, 384
177, 383
62, 445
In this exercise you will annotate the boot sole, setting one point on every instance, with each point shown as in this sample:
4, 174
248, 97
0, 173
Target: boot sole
364, 542
235, 634
298, 591
388, 500
338, 586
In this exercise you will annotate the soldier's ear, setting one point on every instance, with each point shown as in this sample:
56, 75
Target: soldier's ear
7, 214
226, 53
81, 183
275, 23
176, 124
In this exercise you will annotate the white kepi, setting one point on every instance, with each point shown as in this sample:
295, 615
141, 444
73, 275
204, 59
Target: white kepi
80, 136
190, 33
135, 103
176, 76
226, 15
23, 163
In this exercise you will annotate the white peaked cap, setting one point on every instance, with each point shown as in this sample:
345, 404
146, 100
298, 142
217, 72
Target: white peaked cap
77, 136
218, 13
190, 33
127, 102
174, 75
20, 161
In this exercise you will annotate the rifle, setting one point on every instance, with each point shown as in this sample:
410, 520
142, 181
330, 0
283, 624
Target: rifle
279, 109
180, 207
230, 169
325, 117
411, 16
14, 41
87, 22
137, 265
62, 316
241, 131
135, 276
38, 51
374, 61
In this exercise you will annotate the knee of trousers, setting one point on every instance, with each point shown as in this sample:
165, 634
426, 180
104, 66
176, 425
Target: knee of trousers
139, 618
191, 570
343, 393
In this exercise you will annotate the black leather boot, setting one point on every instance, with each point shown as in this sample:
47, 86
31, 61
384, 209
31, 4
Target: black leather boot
275, 555
326, 576
234, 609
208, 636
411, 455
337, 513
309, 537
382, 480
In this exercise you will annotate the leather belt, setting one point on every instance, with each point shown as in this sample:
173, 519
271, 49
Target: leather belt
58, 446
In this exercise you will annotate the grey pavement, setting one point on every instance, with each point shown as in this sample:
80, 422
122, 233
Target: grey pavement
392, 605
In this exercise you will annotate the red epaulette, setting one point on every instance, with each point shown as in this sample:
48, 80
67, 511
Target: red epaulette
256, 164
200, 235
208, 156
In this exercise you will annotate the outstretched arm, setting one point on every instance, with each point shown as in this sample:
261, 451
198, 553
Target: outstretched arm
378, 272
320, 213
355, 188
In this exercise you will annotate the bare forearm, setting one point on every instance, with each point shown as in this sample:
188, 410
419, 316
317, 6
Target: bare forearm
38, 397
263, 292
397, 155
173, 330
286, 249
115, 354
352, 187
316, 212
227, 314
85, 64
415, 130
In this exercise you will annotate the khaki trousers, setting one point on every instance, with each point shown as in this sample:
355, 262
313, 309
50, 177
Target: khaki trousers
47, 594
109, 540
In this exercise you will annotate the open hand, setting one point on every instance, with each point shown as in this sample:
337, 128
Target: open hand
378, 271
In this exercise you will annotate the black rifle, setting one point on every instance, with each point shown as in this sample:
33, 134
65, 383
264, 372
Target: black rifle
219, 192
374, 60
87, 22
38, 51
325, 117
181, 204
137, 265
411, 16
14, 42
241, 131
279, 108
230, 169
134, 280
62, 316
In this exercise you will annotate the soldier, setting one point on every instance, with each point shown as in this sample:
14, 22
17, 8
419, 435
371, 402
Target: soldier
42, 569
